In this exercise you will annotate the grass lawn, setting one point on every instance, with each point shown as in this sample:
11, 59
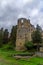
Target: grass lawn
6, 59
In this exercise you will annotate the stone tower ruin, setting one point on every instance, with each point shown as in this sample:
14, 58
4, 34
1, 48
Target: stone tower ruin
24, 30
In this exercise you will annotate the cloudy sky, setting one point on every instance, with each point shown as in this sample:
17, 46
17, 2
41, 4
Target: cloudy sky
11, 10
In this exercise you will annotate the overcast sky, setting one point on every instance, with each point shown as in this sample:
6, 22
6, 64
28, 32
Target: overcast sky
11, 10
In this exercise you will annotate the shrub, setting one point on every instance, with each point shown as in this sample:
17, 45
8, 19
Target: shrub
29, 45
8, 46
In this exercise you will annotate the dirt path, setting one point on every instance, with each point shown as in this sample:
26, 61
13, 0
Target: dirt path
3, 62
6, 62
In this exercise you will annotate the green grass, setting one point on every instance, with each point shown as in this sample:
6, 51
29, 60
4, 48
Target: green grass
6, 59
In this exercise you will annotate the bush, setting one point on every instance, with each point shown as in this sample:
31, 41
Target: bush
29, 45
1, 45
8, 46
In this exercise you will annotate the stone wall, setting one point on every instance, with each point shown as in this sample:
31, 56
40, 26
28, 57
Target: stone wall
40, 54
24, 30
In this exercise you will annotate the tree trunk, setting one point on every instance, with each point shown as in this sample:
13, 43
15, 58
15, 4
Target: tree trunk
38, 47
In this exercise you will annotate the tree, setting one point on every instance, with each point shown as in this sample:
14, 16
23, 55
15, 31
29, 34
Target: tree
5, 36
37, 37
13, 35
1, 36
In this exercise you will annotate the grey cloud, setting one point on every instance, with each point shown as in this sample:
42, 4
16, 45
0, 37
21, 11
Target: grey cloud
11, 10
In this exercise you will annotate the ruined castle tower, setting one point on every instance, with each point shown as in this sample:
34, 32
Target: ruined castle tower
24, 30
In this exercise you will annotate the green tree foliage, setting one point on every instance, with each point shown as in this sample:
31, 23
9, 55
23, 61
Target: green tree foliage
37, 37
29, 45
1, 37
13, 34
5, 36
5, 39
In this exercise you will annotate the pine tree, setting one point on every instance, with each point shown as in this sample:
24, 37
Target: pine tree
37, 37
13, 34
5, 36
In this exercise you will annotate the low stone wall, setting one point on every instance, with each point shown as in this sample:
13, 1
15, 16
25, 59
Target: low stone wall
22, 57
40, 54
